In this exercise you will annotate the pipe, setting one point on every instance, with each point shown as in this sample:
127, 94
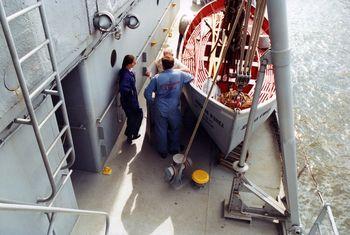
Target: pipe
280, 52
258, 86
331, 219
100, 119
13, 207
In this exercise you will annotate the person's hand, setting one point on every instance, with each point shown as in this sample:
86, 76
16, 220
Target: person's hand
148, 73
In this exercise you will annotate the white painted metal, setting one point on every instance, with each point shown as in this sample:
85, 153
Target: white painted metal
42, 85
28, 101
265, 60
28, 97
57, 80
24, 11
46, 209
35, 50
280, 50
225, 126
326, 210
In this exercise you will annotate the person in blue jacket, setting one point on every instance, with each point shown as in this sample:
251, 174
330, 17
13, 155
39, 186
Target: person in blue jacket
129, 100
167, 87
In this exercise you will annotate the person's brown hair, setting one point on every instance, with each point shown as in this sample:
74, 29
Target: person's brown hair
167, 62
128, 59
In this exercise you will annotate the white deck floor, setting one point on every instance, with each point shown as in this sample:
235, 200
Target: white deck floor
140, 202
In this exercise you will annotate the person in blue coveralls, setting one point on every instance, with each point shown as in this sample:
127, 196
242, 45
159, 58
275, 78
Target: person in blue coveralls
129, 100
167, 87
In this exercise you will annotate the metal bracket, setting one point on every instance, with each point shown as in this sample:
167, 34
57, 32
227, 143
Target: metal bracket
236, 209
100, 131
144, 57
50, 92
296, 229
240, 169
264, 196
236, 214
25, 121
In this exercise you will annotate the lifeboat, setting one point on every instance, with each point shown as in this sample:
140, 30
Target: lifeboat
224, 120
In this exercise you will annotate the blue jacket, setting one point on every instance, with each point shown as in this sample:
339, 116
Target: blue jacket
128, 92
167, 86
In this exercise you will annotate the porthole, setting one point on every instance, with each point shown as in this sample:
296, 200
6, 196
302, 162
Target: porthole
113, 58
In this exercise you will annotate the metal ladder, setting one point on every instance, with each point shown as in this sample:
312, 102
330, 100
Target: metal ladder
40, 89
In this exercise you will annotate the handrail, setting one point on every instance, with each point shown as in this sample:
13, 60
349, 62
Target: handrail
326, 210
100, 119
17, 207
154, 31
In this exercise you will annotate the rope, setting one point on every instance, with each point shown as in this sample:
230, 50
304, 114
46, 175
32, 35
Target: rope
259, 22
312, 175
258, 19
245, 32
215, 37
222, 57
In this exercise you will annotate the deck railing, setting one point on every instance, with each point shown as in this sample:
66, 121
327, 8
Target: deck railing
316, 227
45, 209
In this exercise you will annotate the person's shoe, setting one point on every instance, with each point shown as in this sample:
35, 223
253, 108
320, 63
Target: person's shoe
163, 155
136, 137
129, 140
173, 152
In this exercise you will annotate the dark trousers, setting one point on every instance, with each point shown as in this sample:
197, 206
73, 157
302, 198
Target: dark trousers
167, 130
133, 122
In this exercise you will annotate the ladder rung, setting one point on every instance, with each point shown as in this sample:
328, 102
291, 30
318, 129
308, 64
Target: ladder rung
51, 113
32, 52
56, 139
62, 162
41, 87
22, 12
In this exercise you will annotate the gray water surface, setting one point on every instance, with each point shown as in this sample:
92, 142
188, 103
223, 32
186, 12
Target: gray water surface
319, 34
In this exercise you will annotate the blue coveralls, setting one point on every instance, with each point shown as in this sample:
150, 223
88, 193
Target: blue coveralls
130, 103
167, 117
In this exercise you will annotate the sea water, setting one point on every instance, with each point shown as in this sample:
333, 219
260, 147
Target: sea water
319, 36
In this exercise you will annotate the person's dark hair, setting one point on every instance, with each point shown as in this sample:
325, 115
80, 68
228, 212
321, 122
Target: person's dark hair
167, 62
128, 59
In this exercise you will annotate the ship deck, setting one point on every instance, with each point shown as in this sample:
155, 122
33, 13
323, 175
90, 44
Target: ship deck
139, 201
